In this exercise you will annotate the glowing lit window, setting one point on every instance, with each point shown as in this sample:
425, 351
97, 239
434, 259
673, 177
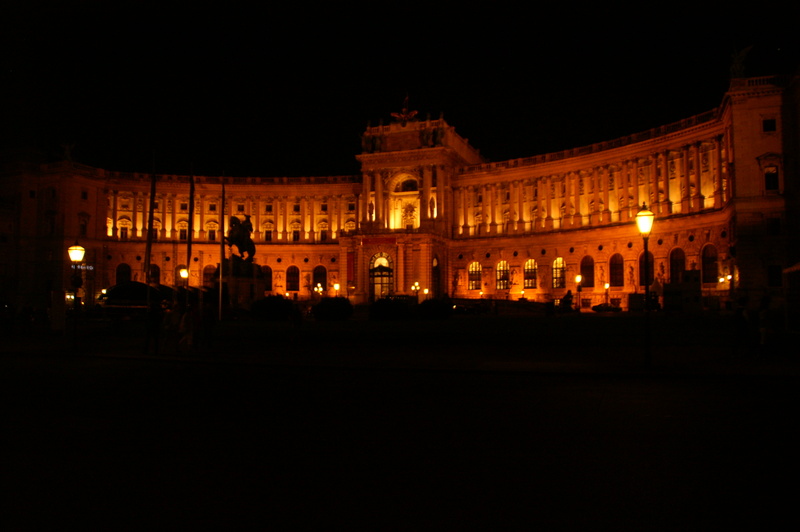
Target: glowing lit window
559, 273
474, 276
502, 276
529, 274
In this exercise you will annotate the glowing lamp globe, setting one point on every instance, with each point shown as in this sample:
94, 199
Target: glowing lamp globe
644, 220
76, 252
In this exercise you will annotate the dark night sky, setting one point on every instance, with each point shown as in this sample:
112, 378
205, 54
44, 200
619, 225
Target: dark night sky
272, 91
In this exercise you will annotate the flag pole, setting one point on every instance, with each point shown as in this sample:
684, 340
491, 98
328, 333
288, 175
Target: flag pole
221, 246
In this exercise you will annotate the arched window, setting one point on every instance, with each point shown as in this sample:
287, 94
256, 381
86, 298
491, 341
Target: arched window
381, 276
616, 270
501, 276
155, 274
436, 278
677, 265
710, 271
266, 272
474, 276
409, 185
587, 272
123, 273
529, 274
650, 269
559, 273
292, 279
320, 277
209, 276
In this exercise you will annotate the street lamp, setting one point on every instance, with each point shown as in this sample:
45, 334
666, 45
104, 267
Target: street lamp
415, 290
336, 287
578, 279
644, 221
76, 253
607, 286
318, 289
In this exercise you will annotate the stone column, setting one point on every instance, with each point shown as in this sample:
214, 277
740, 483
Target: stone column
366, 185
426, 193
698, 199
379, 206
719, 192
605, 183
684, 180
114, 215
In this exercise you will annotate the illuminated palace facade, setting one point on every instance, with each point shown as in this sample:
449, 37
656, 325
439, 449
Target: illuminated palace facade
427, 210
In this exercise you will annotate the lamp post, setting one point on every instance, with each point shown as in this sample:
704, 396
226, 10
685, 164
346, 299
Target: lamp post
336, 287
184, 275
607, 286
644, 221
578, 279
76, 253
415, 290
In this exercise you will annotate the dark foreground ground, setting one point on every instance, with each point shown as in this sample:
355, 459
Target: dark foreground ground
476, 423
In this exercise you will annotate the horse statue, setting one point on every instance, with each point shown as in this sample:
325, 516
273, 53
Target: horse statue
239, 240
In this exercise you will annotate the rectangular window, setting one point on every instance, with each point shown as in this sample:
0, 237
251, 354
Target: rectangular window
212, 207
769, 125
296, 207
184, 206
295, 236
323, 235
240, 207
324, 207
502, 276
212, 234
123, 233
771, 179
267, 236
268, 208
474, 276
183, 234
529, 280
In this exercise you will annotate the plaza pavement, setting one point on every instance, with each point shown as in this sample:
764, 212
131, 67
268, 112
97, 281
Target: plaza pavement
476, 423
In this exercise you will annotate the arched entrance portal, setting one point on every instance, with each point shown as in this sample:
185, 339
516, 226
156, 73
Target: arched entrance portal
381, 276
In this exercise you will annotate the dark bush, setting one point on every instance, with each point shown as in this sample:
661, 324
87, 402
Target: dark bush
435, 309
392, 308
271, 308
332, 309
